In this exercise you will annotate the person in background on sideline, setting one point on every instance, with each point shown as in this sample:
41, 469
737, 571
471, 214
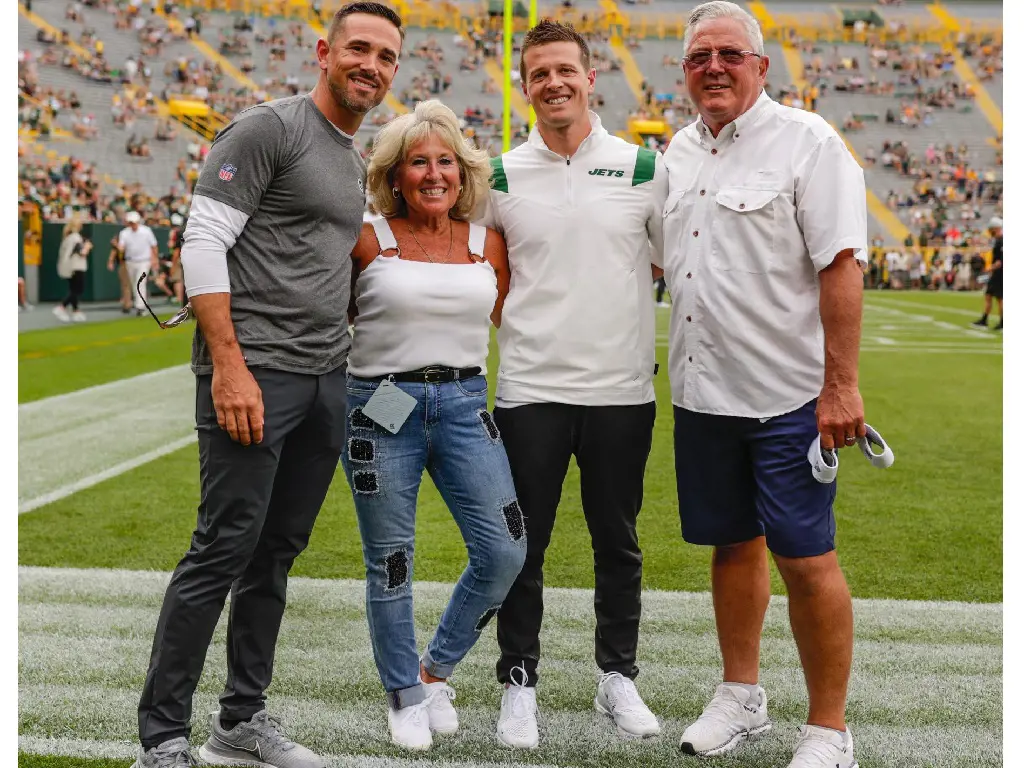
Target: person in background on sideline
137, 244
72, 264
994, 289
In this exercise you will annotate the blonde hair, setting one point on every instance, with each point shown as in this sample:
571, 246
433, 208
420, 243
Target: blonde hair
74, 225
430, 118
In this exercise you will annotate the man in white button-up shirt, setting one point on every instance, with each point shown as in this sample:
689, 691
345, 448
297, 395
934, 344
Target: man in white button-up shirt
765, 223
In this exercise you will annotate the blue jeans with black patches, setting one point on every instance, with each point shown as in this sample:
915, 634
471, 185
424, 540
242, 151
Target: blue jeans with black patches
451, 435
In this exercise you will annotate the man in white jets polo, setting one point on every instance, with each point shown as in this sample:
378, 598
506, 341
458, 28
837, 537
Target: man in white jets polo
581, 213
764, 225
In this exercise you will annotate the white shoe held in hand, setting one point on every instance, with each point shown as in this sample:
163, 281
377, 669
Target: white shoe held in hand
732, 717
823, 748
618, 699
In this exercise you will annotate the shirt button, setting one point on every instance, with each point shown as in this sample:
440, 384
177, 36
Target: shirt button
702, 192
689, 359
689, 275
695, 233
742, 206
714, 151
688, 318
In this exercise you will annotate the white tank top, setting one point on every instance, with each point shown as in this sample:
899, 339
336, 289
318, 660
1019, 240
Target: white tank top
414, 314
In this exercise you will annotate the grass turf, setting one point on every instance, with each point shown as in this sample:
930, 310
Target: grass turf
929, 528
58, 360
26, 760
85, 637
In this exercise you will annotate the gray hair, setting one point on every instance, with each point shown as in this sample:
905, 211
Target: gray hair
721, 9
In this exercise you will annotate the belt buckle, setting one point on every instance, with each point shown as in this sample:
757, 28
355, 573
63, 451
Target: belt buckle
429, 375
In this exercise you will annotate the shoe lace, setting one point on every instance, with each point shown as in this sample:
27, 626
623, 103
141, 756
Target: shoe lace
270, 728
722, 709
174, 758
816, 745
418, 712
621, 691
521, 703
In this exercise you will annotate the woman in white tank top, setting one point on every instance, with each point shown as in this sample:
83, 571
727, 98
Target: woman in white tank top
426, 287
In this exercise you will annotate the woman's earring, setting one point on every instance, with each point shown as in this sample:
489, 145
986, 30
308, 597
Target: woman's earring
460, 189
394, 192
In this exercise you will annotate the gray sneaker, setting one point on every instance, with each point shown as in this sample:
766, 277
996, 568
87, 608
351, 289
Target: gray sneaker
171, 754
260, 742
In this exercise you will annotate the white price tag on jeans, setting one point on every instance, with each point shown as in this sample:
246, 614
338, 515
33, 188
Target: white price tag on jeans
389, 406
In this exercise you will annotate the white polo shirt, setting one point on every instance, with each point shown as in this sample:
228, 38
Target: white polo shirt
582, 232
751, 218
137, 245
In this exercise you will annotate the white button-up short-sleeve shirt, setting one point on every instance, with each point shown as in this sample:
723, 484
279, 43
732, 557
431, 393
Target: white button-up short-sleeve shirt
751, 217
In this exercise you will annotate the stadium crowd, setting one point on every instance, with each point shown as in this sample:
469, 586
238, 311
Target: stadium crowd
951, 198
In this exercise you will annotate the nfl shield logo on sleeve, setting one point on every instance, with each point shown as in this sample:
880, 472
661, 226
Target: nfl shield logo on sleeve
227, 172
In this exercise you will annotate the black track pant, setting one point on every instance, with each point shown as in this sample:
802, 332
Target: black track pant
611, 445
256, 512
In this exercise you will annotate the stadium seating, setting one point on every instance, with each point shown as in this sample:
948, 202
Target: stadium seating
242, 59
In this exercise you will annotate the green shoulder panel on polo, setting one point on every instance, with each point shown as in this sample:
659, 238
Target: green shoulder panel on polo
643, 171
499, 181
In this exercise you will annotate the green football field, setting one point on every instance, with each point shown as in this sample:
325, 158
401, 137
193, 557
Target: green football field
108, 487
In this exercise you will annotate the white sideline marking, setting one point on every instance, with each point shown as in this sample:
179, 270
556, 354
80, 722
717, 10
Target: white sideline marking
915, 305
919, 350
75, 440
121, 750
884, 340
926, 685
118, 469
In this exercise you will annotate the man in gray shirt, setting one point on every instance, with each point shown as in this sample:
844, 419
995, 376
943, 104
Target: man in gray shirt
275, 214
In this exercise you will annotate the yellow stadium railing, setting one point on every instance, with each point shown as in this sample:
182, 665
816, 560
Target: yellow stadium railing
198, 116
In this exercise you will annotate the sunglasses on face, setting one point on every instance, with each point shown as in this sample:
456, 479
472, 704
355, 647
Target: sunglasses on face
727, 57
179, 317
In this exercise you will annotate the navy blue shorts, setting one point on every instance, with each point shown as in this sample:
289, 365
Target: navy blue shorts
738, 478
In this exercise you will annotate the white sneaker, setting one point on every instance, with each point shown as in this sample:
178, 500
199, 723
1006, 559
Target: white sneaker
441, 714
62, 314
617, 698
410, 726
728, 720
78, 316
517, 723
823, 748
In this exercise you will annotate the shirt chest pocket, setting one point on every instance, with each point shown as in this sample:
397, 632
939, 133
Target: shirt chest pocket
744, 230
676, 215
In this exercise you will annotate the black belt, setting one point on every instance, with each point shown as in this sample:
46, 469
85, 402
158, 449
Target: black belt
434, 374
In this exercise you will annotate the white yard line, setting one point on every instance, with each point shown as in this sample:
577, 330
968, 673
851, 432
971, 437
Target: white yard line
118, 469
124, 750
75, 440
871, 298
919, 349
926, 687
